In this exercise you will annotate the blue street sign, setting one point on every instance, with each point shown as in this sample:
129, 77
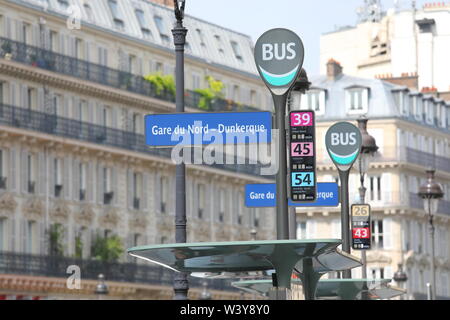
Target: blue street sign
264, 195
207, 128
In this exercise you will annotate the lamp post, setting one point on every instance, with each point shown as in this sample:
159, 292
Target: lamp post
368, 149
180, 285
101, 289
400, 277
431, 192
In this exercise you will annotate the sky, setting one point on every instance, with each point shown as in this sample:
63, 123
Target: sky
308, 18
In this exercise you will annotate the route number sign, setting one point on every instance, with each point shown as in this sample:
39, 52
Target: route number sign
361, 233
302, 160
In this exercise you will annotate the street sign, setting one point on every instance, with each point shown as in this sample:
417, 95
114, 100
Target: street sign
361, 235
343, 142
302, 156
279, 57
163, 130
264, 195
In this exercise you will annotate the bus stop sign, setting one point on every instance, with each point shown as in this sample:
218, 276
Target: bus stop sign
343, 142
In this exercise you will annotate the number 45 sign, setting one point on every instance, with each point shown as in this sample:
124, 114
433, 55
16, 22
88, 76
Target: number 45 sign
361, 234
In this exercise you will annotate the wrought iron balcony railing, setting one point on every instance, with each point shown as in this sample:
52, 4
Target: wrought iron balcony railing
52, 61
52, 124
56, 266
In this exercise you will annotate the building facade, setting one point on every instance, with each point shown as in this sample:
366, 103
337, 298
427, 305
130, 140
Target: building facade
412, 132
73, 161
404, 45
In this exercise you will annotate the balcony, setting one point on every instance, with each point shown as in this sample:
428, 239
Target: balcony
401, 154
64, 127
49, 60
56, 266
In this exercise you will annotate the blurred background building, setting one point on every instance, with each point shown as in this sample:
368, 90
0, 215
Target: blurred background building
412, 132
77, 181
405, 45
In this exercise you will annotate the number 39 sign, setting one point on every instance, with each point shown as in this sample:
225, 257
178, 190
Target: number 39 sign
302, 156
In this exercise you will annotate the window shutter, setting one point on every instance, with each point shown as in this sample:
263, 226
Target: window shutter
12, 175
42, 175
87, 47
100, 191
71, 46
115, 112
130, 188
23, 235
114, 185
41, 100
24, 171
51, 175
12, 94
144, 200
62, 44
7, 27
19, 33
76, 179
12, 245
157, 192
90, 182
67, 186
23, 96
36, 38
42, 242
139, 67
387, 233
99, 120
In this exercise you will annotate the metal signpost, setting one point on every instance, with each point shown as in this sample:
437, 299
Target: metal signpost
263, 195
343, 142
302, 156
361, 233
279, 57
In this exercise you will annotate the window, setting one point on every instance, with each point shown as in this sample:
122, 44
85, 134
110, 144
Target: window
2, 234
88, 11
201, 200
357, 100
236, 93
256, 218
53, 41
375, 188
377, 233
29, 237
31, 99
377, 273
254, 101
31, 173
78, 51
301, 230
219, 45
237, 50
2, 170
108, 194
159, 67
64, 4
117, 16
144, 27
164, 190
137, 189
136, 122
58, 177
162, 29
83, 177
201, 36
132, 63
195, 81
313, 100
221, 205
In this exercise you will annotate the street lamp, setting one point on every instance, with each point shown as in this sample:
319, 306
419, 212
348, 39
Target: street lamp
368, 150
180, 285
400, 276
101, 289
431, 192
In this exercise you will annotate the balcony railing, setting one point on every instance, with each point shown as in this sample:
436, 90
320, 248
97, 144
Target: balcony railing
56, 266
400, 154
69, 128
52, 61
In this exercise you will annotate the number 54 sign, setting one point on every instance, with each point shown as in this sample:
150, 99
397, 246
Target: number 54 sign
361, 234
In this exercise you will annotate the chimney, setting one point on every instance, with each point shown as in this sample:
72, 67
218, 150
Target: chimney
334, 69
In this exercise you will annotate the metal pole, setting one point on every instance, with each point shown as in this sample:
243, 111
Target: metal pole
282, 202
345, 218
180, 285
292, 223
433, 271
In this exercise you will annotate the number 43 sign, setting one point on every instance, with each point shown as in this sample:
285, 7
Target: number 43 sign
361, 235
